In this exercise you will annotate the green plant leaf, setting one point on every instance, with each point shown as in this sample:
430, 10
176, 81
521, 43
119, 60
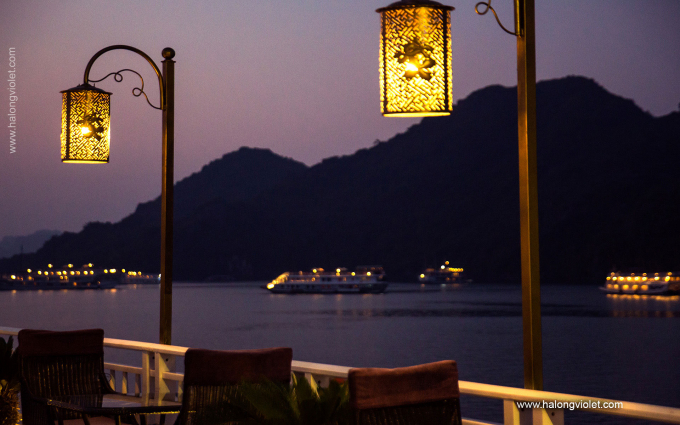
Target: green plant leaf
301, 403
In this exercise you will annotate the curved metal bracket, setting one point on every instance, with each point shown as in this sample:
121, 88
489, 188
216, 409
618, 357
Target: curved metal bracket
137, 91
489, 7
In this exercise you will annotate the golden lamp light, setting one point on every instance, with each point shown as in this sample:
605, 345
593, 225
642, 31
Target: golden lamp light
415, 59
85, 125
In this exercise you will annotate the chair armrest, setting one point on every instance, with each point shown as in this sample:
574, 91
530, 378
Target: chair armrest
35, 410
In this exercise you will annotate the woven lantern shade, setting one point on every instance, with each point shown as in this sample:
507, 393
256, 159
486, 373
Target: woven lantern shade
415, 59
85, 125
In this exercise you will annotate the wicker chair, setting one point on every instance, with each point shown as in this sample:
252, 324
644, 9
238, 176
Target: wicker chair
425, 394
59, 363
212, 378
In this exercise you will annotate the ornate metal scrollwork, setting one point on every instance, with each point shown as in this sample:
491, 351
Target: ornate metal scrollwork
489, 7
136, 91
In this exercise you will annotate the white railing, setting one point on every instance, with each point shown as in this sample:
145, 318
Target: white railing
157, 374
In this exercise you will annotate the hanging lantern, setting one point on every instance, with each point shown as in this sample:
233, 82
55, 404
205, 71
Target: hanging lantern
415, 59
85, 125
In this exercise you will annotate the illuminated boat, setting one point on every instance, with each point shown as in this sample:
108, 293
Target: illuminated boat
365, 280
70, 277
444, 274
642, 283
139, 278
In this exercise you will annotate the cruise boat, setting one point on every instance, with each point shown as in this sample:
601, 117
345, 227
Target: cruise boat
444, 274
642, 283
70, 277
364, 280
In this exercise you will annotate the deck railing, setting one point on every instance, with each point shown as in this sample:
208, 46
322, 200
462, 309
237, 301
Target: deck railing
158, 375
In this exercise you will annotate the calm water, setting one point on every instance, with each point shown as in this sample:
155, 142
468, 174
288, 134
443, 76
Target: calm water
593, 345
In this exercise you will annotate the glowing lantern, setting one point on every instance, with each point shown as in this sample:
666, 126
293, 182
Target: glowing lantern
85, 125
415, 59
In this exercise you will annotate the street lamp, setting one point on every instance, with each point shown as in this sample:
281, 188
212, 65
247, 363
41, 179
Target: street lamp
403, 54
85, 138
415, 59
85, 125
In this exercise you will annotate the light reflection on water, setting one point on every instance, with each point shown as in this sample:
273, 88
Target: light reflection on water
621, 347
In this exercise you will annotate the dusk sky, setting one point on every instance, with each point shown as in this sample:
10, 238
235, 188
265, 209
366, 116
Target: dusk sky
299, 77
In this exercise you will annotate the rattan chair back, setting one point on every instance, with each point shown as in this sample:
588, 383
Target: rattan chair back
59, 363
425, 394
212, 378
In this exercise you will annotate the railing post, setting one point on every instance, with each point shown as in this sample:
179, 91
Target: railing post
308, 377
112, 379
547, 416
512, 415
138, 384
164, 363
124, 383
146, 372
180, 391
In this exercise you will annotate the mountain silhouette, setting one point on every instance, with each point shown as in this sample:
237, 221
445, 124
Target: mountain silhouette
446, 189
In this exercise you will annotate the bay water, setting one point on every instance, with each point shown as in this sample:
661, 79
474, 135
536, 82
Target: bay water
623, 348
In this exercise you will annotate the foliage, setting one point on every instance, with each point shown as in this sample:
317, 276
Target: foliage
9, 383
302, 403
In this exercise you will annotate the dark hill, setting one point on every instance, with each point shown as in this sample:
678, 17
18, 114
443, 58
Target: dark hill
445, 189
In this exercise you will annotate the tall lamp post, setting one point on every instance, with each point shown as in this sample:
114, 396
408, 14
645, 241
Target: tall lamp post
85, 137
415, 80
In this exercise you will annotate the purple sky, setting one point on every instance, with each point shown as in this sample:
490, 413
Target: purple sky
299, 77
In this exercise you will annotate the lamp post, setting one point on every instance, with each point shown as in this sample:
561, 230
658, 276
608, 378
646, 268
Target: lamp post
416, 81
85, 138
